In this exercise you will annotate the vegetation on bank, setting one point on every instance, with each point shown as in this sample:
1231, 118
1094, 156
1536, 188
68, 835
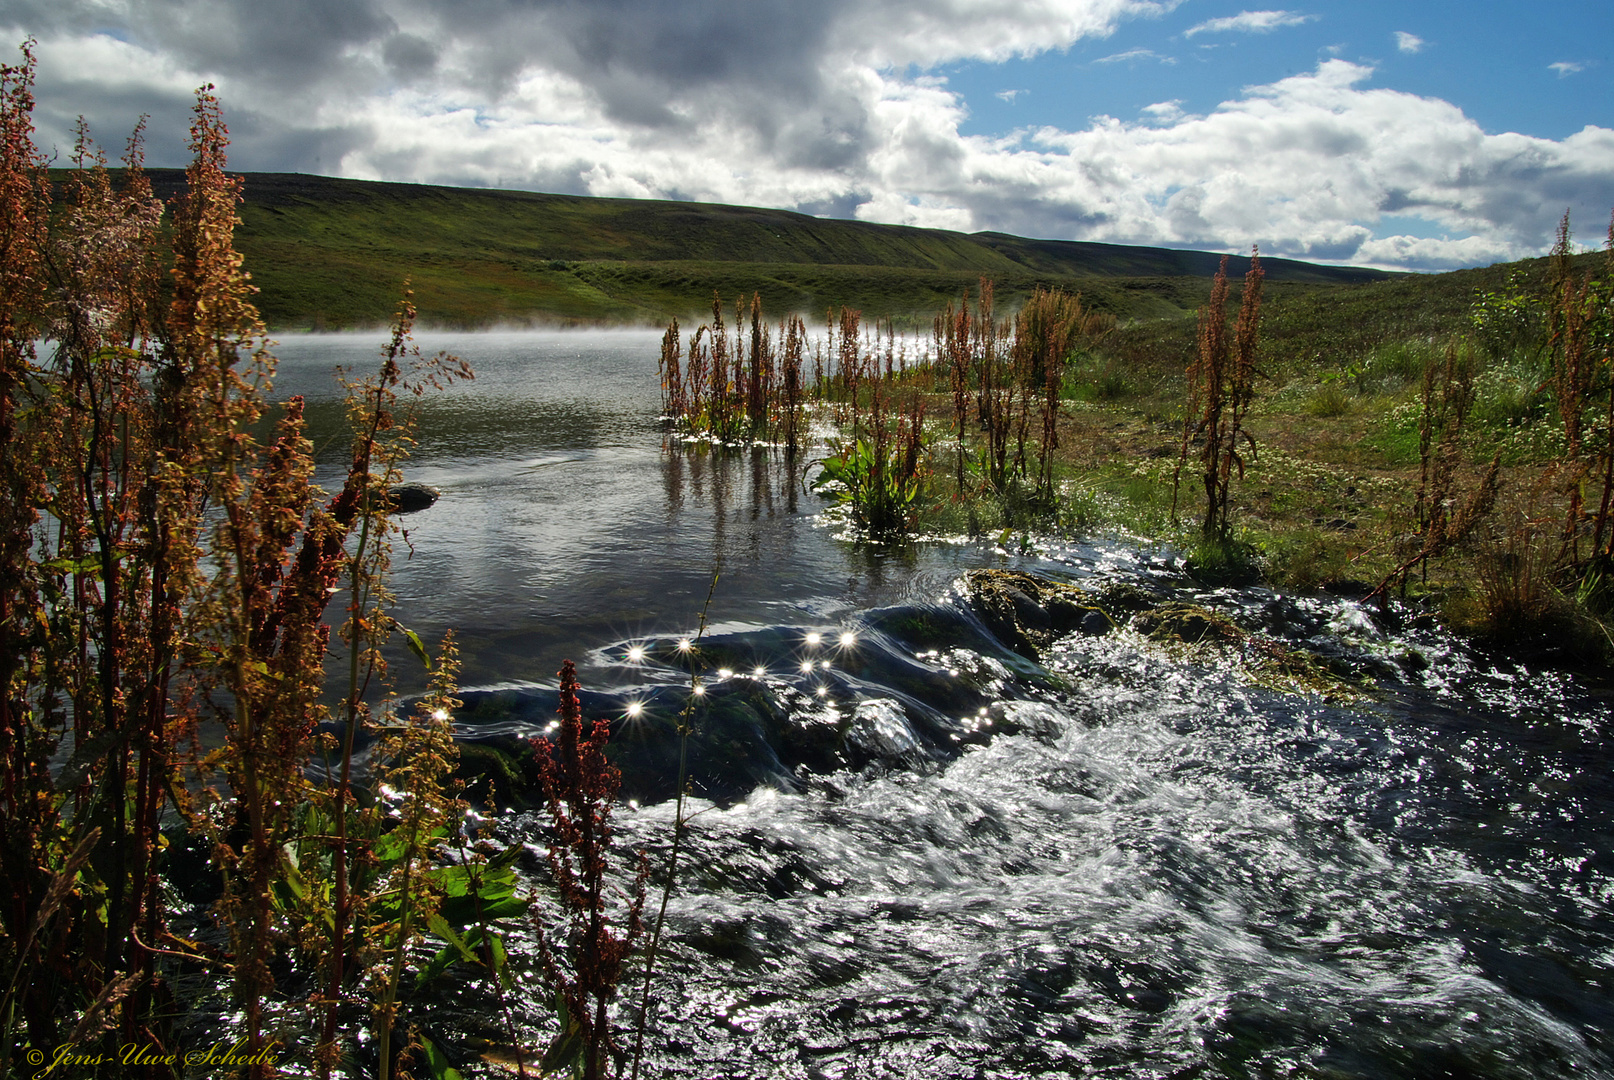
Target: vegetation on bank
202, 842
1446, 440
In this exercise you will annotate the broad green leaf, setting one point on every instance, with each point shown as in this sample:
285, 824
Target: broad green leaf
416, 646
437, 1063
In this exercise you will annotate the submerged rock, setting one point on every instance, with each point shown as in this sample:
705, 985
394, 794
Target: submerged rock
1267, 660
408, 498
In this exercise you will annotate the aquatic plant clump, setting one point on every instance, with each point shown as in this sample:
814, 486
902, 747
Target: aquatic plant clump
748, 388
877, 397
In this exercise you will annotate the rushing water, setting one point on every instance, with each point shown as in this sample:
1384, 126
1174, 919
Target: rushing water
936, 858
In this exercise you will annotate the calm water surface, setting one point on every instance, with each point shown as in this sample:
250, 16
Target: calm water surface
566, 522
1153, 868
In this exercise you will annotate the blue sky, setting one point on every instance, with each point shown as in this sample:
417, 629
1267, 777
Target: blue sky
1405, 135
1495, 61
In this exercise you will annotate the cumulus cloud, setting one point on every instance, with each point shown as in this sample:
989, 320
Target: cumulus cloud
831, 107
1249, 22
1408, 43
1565, 68
1165, 112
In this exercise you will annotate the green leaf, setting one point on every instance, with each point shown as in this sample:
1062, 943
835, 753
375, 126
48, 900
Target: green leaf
435, 967
440, 929
501, 962
438, 1064
464, 910
566, 1050
469, 949
89, 566
293, 873
416, 646
501, 862
457, 881
391, 847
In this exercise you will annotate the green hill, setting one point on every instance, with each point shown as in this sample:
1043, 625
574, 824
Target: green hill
330, 253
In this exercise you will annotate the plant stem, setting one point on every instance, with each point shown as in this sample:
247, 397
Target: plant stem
678, 828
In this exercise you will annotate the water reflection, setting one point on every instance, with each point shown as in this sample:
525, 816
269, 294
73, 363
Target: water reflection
570, 518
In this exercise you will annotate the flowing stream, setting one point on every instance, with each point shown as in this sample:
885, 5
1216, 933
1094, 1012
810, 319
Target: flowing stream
1311, 841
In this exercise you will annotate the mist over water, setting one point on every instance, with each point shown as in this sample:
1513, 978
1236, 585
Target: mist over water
1131, 861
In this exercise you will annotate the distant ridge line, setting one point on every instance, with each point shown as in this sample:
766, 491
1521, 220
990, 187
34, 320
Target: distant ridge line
330, 253
653, 217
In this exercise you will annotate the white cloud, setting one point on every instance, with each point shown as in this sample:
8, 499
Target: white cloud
1165, 112
893, 33
1132, 55
1565, 68
813, 107
1408, 43
1249, 22
1008, 95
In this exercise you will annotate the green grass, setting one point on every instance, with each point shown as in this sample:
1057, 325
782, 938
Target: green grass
329, 253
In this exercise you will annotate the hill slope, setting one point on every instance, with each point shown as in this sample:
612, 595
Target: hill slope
330, 253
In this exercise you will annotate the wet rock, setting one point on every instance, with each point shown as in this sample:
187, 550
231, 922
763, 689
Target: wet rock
500, 771
1189, 624
1268, 661
187, 862
1122, 598
409, 498
1028, 613
728, 939
879, 730
1031, 718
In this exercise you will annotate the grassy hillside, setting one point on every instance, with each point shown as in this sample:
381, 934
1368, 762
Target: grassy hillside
330, 253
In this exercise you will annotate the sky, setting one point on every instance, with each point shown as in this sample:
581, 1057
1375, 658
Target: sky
1404, 134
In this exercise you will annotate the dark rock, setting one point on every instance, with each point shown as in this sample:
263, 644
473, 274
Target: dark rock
1028, 613
1187, 623
408, 498
500, 771
1120, 598
879, 729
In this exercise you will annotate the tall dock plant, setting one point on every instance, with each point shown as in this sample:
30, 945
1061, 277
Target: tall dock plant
1580, 344
584, 953
161, 569
1221, 385
1443, 513
1047, 330
380, 414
